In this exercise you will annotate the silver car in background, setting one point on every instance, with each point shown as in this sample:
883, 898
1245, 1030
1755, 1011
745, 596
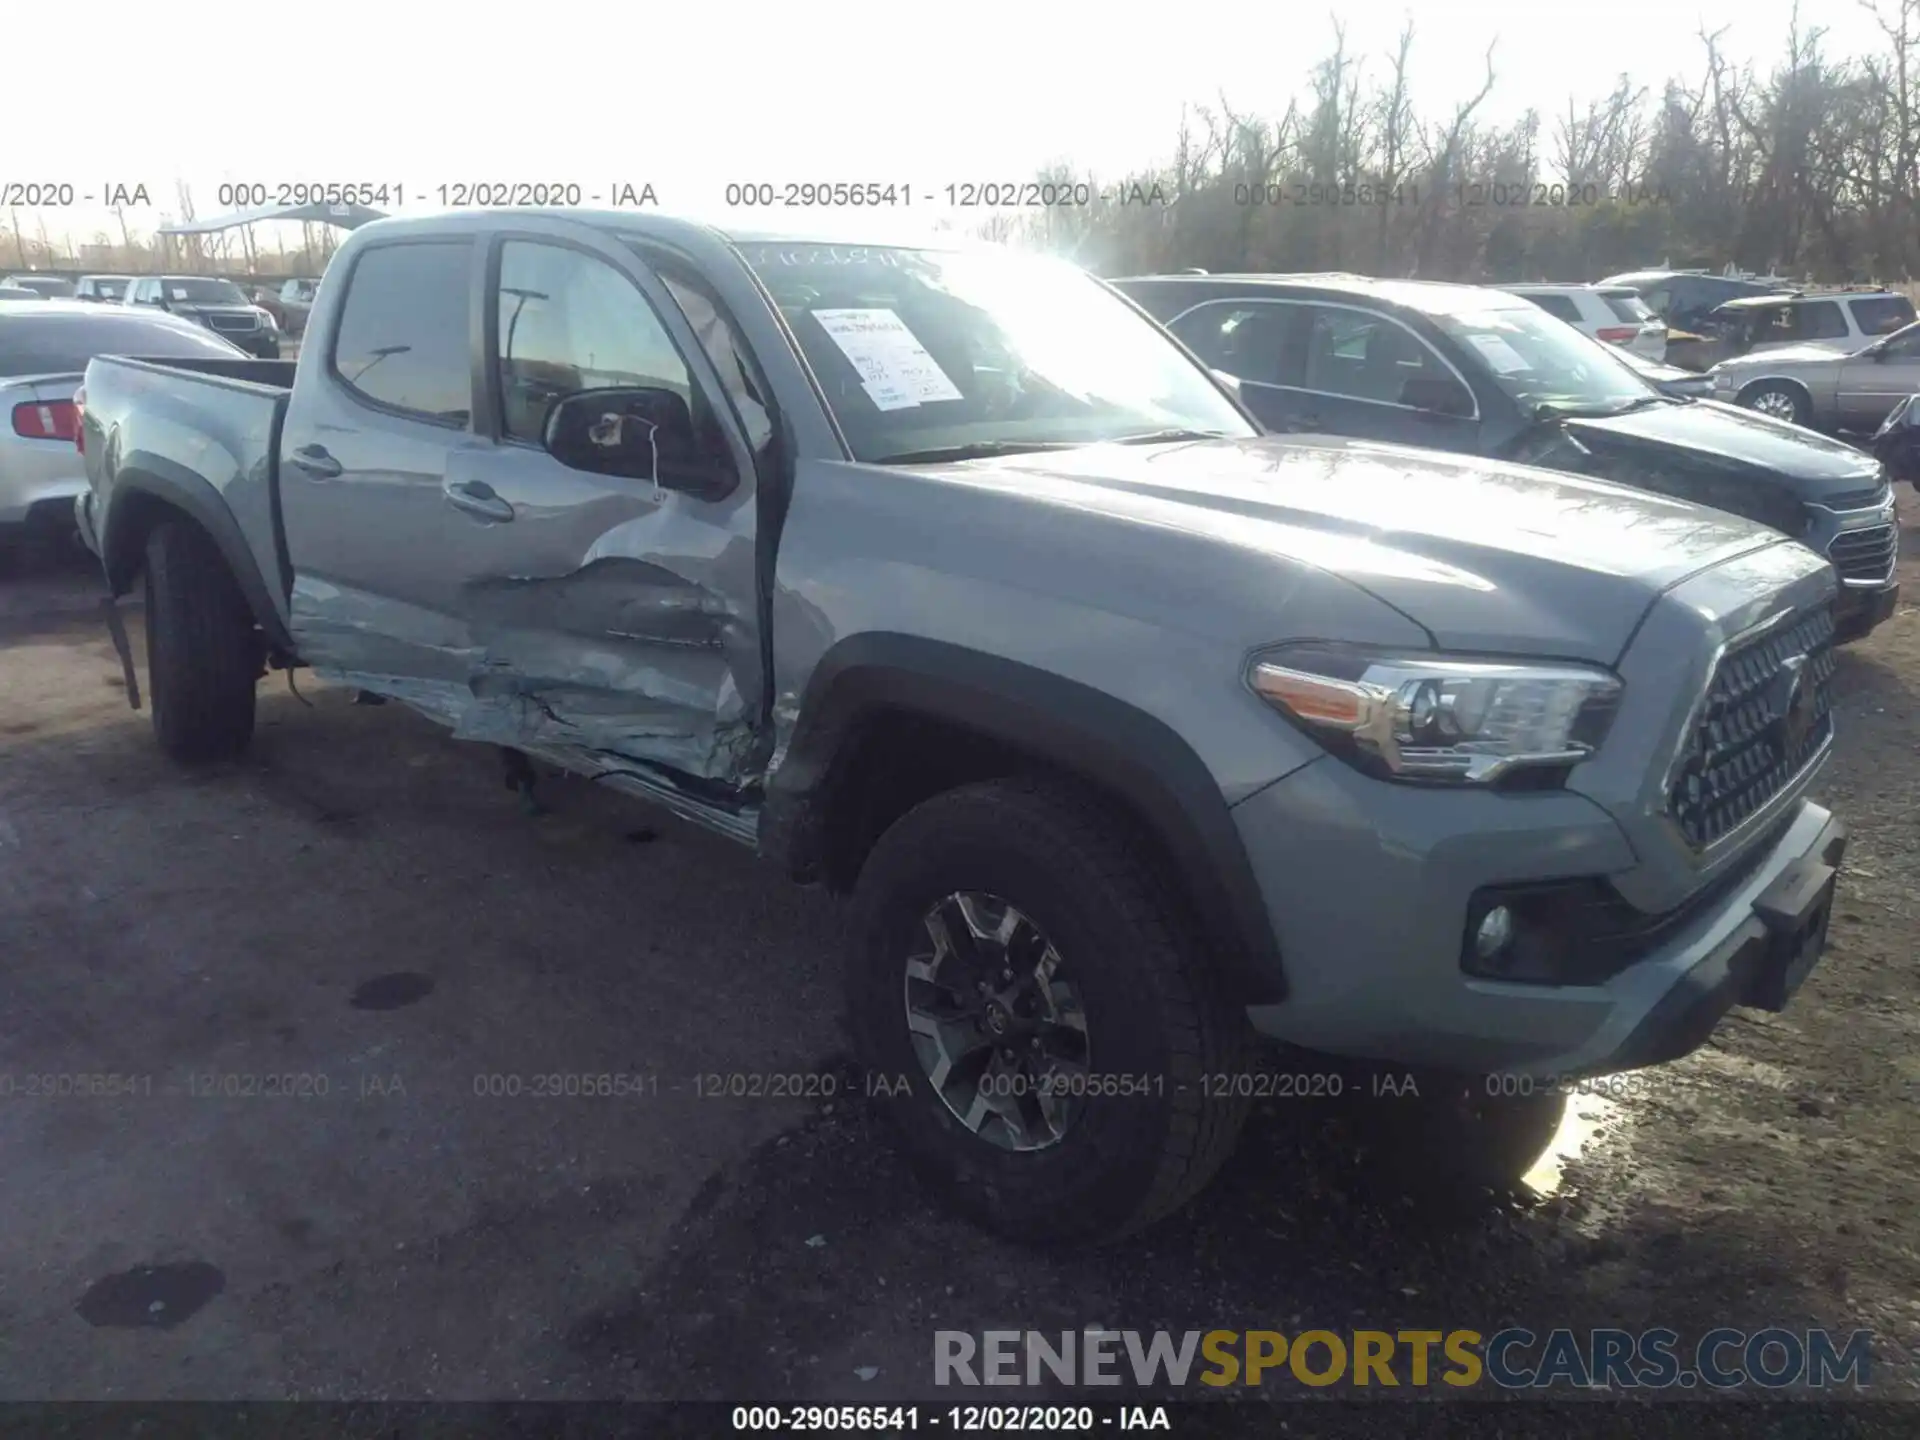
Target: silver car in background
1821, 388
44, 349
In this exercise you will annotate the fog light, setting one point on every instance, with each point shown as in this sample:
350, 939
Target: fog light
1495, 932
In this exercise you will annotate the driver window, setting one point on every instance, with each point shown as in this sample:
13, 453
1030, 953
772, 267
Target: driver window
569, 321
1903, 347
1247, 342
1364, 356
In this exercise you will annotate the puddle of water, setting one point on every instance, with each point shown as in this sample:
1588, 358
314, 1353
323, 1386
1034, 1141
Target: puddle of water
1579, 1124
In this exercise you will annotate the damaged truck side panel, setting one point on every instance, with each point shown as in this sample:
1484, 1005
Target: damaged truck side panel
437, 558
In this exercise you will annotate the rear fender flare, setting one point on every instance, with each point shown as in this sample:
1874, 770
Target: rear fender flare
143, 481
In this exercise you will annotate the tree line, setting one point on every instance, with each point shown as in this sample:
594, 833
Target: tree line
1807, 166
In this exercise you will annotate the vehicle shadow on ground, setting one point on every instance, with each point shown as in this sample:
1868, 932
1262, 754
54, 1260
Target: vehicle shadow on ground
827, 1261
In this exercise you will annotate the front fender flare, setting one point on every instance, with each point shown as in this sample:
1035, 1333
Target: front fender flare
1074, 728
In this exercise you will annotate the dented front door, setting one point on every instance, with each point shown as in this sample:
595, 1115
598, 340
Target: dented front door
601, 619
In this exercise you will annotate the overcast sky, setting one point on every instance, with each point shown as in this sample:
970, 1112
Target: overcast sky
690, 97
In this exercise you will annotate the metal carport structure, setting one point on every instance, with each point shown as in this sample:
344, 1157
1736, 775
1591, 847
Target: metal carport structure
343, 217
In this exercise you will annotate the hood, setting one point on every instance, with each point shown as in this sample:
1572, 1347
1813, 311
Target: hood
1729, 441
1486, 556
1824, 354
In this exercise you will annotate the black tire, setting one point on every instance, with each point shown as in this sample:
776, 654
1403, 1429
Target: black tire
1791, 397
1154, 1008
203, 654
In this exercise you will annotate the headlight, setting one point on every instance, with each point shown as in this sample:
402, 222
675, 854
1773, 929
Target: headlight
1437, 717
267, 322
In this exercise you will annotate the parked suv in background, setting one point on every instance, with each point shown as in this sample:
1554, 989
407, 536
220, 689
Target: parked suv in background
44, 349
1684, 298
220, 305
102, 289
1842, 322
48, 287
1457, 367
290, 302
1612, 313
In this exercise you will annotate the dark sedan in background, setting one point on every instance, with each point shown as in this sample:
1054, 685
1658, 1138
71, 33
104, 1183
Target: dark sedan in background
220, 305
1457, 367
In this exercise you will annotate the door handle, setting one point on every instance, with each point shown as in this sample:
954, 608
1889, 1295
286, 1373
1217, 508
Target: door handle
315, 460
476, 497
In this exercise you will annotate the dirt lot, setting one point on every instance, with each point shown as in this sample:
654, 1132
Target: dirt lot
363, 907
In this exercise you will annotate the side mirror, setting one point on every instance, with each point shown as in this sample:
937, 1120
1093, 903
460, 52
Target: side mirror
1437, 395
639, 433
1230, 382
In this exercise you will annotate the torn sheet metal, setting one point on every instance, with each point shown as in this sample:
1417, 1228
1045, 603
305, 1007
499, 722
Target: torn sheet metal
624, 659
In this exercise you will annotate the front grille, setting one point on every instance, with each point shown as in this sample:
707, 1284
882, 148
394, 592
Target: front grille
233, 322
1768, 711
1865, 554
1857, 499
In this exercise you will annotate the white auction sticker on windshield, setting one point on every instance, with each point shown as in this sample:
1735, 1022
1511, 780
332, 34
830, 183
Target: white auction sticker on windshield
178, 293
894, 366
1500, 355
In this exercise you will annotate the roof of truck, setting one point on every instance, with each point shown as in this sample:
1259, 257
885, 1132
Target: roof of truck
890, 231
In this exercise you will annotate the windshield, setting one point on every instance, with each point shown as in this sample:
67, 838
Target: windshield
194, 290
924, 351
1539, 361
50, 286
111, 289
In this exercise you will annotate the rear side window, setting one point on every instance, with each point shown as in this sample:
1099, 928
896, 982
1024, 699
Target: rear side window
1248, 342
403, 337
62, 344
1627, 306
1882, 314
1561, 307
1819, 320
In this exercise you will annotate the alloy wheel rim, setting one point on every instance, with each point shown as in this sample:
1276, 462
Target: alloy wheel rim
1774, 403
997, 1022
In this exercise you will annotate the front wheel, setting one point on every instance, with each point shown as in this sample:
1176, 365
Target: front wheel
1037, 1016
1779, 400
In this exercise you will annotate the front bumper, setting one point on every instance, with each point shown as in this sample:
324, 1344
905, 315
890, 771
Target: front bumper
1369, 886
1856, 612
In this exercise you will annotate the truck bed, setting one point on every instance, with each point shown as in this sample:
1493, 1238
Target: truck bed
203, 436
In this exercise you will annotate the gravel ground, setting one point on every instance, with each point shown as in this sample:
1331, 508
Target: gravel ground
361, 906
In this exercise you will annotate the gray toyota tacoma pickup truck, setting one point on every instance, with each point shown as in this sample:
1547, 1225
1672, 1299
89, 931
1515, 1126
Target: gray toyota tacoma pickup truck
944, 577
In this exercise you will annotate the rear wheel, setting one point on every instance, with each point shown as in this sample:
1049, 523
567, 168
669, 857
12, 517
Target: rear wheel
1780, 400
203, 653
1025, 977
